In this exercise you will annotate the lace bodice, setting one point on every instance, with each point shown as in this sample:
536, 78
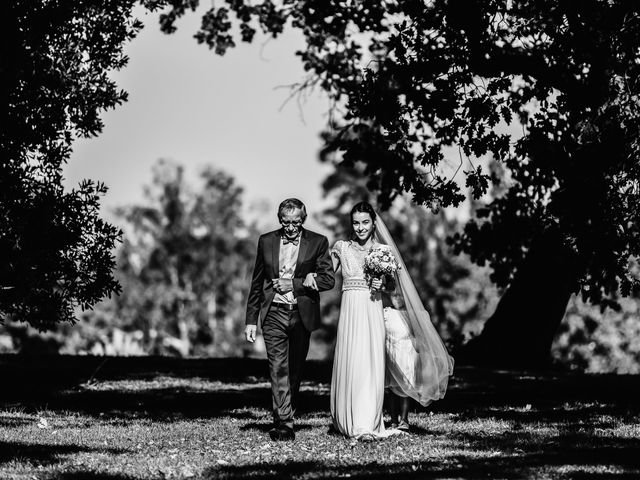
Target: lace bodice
352, 262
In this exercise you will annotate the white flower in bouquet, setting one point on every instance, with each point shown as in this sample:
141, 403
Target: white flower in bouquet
380, 262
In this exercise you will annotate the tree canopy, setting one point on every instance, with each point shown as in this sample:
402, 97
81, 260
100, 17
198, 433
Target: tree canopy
56, 251
415, 78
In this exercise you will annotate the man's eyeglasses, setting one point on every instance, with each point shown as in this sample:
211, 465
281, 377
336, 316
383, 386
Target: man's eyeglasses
291, 224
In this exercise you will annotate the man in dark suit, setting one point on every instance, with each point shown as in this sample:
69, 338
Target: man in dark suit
292, 267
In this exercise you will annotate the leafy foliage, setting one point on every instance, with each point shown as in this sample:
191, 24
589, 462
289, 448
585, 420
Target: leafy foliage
597, 341
55, 249
418, 77
185, 264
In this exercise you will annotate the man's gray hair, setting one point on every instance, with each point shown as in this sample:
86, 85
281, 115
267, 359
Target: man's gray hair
291, 204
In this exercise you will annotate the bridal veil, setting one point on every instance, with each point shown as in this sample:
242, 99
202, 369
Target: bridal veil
434, 364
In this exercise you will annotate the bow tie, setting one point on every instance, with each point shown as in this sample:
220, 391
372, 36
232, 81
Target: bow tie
295, 241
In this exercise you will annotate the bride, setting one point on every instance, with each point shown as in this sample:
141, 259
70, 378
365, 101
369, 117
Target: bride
359, 370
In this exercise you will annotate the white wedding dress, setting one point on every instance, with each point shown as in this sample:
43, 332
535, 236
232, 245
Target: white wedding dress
399, 343
358, 378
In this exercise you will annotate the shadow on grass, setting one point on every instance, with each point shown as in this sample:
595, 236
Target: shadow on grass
60, 383
573, 409
42, 453
168, 404
602, 476
517, 465
581, 451
14, 421
265, 427
88, 474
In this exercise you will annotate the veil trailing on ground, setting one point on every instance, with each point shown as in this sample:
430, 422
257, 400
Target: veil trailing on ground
434, 364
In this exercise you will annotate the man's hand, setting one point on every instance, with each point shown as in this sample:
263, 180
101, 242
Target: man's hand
250, 333
282, 285
310, 282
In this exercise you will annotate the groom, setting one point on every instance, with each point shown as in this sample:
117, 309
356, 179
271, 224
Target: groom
292, 266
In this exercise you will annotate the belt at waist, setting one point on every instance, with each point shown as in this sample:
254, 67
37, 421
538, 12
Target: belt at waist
285, 306
355, 284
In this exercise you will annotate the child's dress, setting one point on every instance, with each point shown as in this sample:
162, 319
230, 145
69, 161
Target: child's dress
401, 356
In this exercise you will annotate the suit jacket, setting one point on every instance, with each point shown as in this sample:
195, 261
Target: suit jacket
313, 257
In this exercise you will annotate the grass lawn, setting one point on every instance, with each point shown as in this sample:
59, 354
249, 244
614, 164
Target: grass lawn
139, 418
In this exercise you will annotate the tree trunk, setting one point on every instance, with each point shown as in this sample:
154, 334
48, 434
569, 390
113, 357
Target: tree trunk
520, 332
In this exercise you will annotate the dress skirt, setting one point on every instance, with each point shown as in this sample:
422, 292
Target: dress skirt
358, 379
402, 358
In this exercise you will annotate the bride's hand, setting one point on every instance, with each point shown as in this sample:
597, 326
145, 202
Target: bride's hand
376, 284
310, 281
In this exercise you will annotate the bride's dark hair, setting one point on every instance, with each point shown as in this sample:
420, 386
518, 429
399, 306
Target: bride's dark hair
363, 207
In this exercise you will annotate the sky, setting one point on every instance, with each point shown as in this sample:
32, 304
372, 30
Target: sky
196, 108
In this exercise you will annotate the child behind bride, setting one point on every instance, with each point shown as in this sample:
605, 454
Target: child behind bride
401, 358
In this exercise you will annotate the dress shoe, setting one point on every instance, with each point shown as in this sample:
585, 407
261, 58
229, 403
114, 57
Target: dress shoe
282, 433
287, 434
404, 426
332, 430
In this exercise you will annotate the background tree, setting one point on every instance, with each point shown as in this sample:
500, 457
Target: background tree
185, 264
599, 341
456, 73
55, 250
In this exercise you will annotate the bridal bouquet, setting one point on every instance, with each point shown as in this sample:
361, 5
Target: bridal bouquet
380, 263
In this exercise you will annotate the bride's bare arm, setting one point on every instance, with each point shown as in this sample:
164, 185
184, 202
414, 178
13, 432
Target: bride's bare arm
336, 262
